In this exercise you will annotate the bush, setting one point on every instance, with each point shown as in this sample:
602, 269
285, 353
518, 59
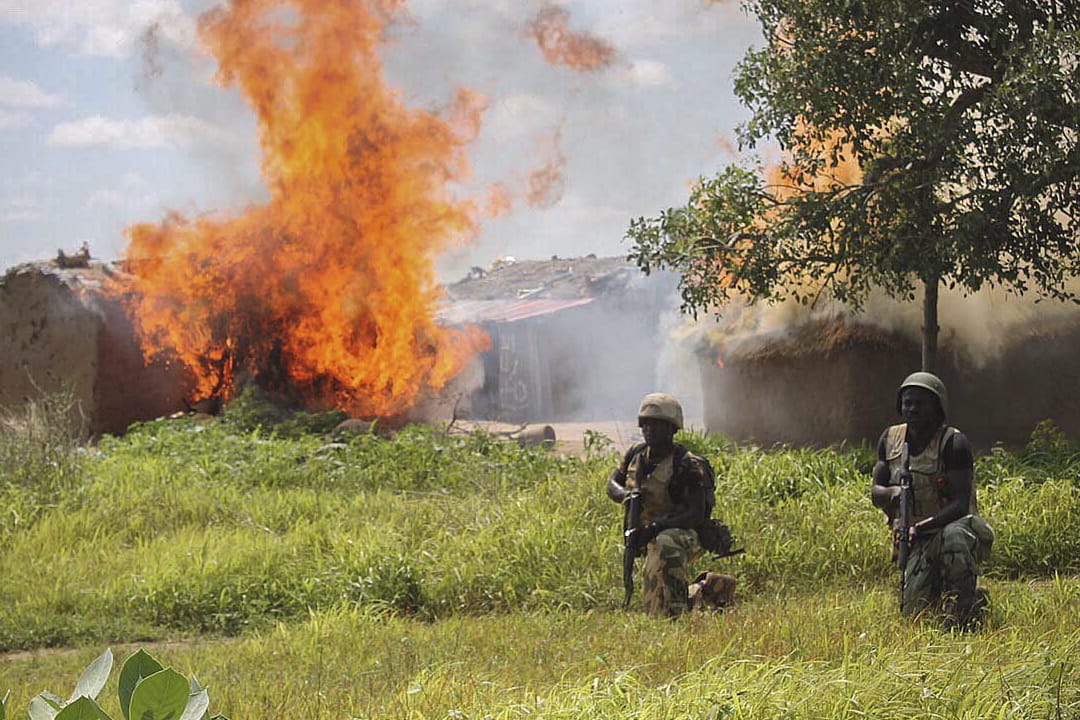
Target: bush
254, 410
146, 691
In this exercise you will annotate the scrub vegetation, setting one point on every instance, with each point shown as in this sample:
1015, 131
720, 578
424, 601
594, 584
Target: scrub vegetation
444, 575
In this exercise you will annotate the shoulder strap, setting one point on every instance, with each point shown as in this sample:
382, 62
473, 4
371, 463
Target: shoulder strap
633, 450
678, 455
896, 434
946, 437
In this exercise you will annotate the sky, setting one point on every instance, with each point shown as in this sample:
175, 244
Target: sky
109, 116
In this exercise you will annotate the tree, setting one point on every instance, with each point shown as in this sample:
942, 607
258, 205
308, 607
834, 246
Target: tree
925, 142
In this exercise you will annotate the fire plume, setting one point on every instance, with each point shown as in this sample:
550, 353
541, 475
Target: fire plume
327, 292
547, 183
562, 46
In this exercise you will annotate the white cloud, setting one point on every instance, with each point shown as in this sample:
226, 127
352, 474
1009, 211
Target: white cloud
154, 131
106, 198
21, 215
25, 94
108, 28
132, 179
650, 73
21, 207
38, 179
646, 23
520, 115
23, 202
12, 120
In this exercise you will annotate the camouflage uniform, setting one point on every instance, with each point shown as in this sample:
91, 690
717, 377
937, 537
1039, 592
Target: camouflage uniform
943, 563
666, 577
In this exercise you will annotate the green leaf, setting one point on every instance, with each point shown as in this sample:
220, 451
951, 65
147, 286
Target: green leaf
45, 707
138, 666
196, 706
162, 696
3, 705
55, 701
83, 708
94, 677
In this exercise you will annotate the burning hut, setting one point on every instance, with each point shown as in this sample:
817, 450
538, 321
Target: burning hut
813, 384
571, 339
829, 380
61, 332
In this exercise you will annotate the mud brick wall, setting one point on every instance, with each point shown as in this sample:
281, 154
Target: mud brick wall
59, 331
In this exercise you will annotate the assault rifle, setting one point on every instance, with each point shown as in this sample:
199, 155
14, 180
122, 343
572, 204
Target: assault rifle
630, 546
903, 531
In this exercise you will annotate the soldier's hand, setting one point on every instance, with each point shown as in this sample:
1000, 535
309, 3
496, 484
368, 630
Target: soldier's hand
642, 536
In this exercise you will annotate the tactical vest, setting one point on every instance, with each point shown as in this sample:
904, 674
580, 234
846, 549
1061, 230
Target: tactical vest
655, 487
927, 471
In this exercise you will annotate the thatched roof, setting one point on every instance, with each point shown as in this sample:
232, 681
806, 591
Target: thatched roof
820, 338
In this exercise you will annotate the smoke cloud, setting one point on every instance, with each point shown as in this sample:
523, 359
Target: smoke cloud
562, 46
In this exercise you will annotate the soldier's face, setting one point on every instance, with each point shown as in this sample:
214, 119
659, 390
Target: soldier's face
919, 406
657, 432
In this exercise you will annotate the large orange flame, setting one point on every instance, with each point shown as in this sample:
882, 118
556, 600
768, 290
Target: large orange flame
328, 290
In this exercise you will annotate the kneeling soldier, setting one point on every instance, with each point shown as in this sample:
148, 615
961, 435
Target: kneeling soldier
672, 499
947, 537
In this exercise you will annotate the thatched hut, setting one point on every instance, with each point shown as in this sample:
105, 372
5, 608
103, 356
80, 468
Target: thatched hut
814, 384
834, 380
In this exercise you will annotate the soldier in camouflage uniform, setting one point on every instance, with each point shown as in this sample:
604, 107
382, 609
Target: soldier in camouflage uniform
948, 538
674, 504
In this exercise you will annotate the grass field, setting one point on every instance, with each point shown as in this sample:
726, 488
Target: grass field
436, 575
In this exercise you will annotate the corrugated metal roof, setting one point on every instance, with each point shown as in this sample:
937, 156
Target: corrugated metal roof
459, 312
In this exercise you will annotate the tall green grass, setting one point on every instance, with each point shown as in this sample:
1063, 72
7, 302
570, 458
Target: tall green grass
445, 575
198, 527
40, 457
827, 654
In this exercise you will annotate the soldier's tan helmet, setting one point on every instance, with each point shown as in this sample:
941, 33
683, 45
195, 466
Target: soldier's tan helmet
927, 381
662, 406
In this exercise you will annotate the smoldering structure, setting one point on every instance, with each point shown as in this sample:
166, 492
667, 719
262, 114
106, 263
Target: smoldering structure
571, 338
824, 381
833, 378
61, 332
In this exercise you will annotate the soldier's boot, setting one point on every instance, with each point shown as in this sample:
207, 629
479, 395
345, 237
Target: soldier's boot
980, 606
963, 608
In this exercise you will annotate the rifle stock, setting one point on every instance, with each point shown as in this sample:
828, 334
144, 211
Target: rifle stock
903, 531
630, 550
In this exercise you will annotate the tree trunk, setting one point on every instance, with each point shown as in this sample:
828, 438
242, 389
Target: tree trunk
930, 324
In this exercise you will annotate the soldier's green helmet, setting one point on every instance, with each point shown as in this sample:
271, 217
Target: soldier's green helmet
927, 381
662, 406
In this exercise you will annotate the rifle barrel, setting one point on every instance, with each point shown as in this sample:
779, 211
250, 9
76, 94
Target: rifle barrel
904, 539
633, 519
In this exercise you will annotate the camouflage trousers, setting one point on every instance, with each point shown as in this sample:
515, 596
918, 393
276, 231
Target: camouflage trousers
945, 566
666, 578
